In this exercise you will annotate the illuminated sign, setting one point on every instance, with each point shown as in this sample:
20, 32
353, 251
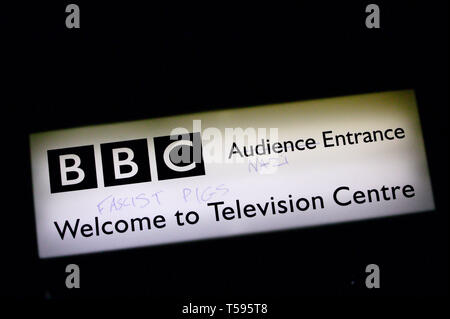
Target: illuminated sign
227, 173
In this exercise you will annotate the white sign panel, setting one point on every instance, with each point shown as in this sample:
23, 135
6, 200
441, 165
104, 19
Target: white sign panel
227, 173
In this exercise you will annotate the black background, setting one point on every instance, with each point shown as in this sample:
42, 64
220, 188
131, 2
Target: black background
134, 61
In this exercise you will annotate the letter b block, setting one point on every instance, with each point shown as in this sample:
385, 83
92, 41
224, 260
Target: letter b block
125, 162
72, 169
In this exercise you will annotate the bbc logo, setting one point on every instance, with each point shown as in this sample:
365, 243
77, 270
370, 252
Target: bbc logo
125, 162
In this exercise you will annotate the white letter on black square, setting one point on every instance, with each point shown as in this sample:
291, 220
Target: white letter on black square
125, 162
179, 156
